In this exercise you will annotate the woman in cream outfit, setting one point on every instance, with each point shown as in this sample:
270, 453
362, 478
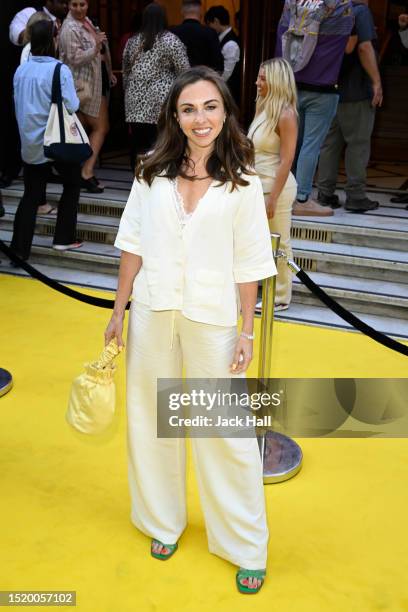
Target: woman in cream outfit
274, 134
195, 242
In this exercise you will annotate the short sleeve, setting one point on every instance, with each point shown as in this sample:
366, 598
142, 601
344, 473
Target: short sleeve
364, 24
19, 23
128, 237
253, 257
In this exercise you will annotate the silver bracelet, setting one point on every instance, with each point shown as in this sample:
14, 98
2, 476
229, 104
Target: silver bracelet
248, 336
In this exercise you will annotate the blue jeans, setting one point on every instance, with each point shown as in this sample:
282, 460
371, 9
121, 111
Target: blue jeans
316, 112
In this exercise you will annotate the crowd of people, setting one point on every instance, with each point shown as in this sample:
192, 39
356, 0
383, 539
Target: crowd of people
315, 100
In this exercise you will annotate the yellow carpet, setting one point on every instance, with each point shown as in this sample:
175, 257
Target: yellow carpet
338, 530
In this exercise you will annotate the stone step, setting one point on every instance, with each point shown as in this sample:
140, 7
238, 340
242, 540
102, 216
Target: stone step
343, 253
66, 276
99, 218
103, 229
384, 228
93, 256
91, 228
108, 204
305, 314
321, 316
376, 232
357, 295
99, 265
351, 260
313, 257
118, 187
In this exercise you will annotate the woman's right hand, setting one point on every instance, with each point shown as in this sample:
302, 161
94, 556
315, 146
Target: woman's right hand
115, 330
271, 204
100, 38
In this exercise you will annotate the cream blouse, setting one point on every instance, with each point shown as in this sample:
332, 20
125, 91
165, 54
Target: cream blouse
194, 267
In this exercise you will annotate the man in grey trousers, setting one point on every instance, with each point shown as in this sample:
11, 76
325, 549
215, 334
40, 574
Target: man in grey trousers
360, 93
403, 24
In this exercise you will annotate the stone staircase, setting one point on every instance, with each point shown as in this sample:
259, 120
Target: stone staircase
360, 260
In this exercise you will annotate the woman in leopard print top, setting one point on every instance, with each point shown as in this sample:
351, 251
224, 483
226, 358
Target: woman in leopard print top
151, 61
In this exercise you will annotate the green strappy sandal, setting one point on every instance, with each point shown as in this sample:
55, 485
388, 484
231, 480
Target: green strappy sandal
171, 547
245, 573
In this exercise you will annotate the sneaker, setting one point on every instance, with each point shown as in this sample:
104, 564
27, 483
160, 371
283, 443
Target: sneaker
66, 247
401, 199
279, 307
91, 185
360, 206
310, 208
328, 200
47, 209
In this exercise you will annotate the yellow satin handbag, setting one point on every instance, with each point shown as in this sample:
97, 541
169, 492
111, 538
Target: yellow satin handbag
91, 405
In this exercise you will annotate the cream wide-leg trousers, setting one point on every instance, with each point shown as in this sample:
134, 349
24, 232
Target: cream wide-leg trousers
228, 470
281, 224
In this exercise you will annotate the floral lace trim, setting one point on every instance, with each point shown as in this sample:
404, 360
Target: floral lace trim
182, 215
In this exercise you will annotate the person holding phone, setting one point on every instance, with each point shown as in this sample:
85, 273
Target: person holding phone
85, 50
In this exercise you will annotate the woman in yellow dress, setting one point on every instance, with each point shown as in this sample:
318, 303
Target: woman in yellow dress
274, 134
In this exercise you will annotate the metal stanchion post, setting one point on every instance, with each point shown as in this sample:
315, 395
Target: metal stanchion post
281, 456
6, 381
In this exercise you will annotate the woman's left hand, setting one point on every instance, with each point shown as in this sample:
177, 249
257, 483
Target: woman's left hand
113, 80
242, 355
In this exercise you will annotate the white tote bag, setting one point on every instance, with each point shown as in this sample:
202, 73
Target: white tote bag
65, 139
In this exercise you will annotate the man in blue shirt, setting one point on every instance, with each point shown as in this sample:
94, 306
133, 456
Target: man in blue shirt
312, 35
32, 97
360, 93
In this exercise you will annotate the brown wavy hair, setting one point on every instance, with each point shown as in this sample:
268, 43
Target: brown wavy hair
233, 153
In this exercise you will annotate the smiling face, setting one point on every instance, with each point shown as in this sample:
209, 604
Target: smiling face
79, 9
261, 84
201, 113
